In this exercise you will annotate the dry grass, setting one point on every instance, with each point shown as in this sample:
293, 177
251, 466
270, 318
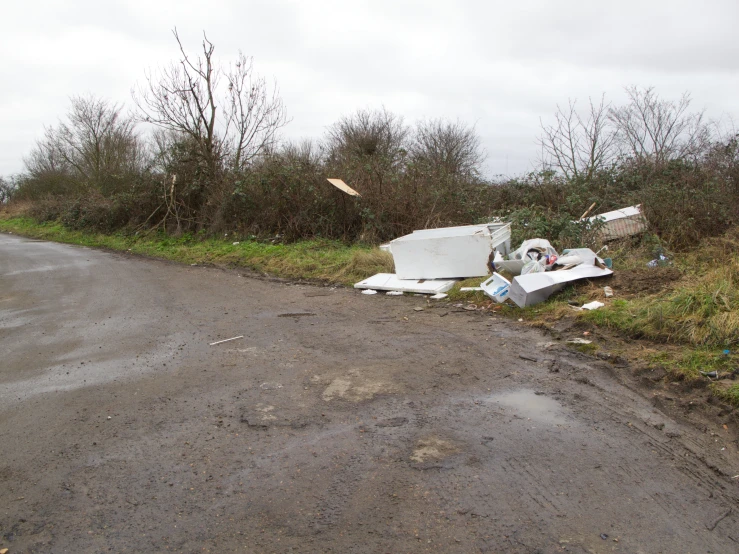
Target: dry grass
726, 391
362, 264
15, 209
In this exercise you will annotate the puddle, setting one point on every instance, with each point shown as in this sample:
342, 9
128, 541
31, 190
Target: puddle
432, 448
347, 389
528, 404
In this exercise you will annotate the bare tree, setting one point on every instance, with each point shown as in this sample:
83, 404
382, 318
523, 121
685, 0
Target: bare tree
651, 128
45, 158
254, 115
96, 144
7, 188
451, 147
366, 148
377, 134
229, 112
579, 144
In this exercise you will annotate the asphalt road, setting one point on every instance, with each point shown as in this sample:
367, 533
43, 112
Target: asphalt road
339, 423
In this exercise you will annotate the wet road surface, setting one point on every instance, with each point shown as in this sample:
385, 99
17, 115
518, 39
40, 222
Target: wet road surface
339, 423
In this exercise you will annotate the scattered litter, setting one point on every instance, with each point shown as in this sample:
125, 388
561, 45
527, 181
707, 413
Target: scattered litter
590, 209
621, 223
608, 292
593, 305
389, 281
369, 291
586, 333
396, 293
660, 259
341, 185
579, 341
470, 289
604, 536
710, 374
438, 296
726, 352
110, 417
471, 307
226, 340
527, 290
658, 262
418, 309
236, 243
497, 287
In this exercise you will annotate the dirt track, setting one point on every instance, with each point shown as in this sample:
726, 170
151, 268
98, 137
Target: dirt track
339, 423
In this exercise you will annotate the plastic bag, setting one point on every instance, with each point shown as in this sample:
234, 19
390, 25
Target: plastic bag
533, 249
533, 267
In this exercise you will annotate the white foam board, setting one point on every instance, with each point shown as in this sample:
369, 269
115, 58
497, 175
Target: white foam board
530, 289
390, 281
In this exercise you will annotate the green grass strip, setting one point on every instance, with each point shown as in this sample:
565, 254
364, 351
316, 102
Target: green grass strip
328, 261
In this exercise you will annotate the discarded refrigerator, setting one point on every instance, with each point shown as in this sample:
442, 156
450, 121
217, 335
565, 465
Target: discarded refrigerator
449, 252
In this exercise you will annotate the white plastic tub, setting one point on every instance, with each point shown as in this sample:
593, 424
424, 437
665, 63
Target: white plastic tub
496, 287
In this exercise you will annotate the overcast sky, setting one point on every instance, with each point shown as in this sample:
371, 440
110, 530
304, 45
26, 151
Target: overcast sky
500, 65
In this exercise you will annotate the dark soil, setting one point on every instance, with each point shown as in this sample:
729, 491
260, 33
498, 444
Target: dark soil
628, 283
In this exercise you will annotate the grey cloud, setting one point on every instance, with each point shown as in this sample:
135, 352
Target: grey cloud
499, 65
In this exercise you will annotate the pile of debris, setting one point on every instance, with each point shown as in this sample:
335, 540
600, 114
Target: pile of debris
431, 261
540, 271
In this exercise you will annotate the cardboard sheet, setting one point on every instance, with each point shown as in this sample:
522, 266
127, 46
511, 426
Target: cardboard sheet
341, 185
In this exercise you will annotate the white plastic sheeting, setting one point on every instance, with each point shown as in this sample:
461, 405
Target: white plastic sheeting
527, 290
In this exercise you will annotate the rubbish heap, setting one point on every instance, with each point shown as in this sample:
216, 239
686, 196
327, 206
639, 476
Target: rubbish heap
431, 261
540, 272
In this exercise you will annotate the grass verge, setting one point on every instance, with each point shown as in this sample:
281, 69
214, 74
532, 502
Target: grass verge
697, 315
323, 260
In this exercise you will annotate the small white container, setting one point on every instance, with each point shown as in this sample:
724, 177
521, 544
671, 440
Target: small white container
496, 287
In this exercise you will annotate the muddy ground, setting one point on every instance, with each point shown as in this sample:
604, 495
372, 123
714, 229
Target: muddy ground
339, 423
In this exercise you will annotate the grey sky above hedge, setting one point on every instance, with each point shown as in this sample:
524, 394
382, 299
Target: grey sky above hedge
498, 65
